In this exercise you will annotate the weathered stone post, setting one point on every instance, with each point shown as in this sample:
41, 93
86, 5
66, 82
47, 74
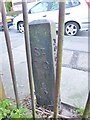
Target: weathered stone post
43, 39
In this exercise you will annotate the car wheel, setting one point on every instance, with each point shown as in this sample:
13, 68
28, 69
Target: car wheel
71, 28
21, 27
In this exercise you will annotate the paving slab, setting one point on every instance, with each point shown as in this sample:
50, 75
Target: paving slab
67, 57
74, 83
20, 71
83, 60
74, 87
21, 77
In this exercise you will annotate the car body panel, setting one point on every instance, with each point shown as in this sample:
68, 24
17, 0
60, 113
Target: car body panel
9, 20
72, 14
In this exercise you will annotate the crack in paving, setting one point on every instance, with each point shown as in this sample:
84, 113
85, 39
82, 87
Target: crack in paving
77, 50
77, 68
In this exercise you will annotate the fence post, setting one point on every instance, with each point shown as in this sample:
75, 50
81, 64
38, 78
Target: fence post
28, 55
9, 49
59, 55
2, 91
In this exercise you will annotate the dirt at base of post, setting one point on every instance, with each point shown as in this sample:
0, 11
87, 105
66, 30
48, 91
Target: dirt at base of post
67, 112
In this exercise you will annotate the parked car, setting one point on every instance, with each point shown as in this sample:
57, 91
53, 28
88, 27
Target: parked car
9, 20
76, 15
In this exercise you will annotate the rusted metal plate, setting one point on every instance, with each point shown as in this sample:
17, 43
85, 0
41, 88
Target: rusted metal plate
42, 50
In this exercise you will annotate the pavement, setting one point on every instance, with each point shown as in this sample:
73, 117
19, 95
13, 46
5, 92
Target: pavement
74, 81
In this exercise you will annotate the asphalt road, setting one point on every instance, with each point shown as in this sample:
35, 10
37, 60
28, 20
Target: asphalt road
75, 48
79, 42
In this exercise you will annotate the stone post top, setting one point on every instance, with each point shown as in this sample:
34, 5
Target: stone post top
40, 21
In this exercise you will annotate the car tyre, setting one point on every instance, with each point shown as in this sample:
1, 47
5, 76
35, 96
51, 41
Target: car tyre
20, 27
71, 28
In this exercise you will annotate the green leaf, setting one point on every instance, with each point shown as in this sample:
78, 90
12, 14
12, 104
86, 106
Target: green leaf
1, 116
7, 109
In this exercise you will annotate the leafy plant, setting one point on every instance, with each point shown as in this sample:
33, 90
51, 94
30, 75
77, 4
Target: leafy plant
80, 111
4, 108
20, 113
8, 5
7, 110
